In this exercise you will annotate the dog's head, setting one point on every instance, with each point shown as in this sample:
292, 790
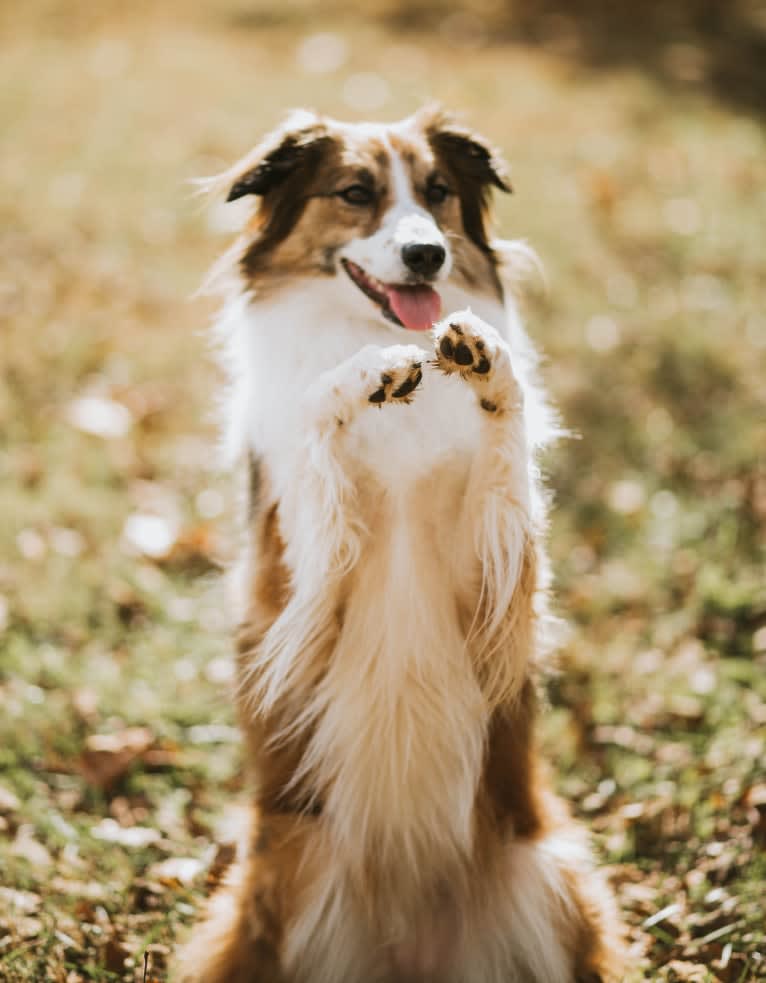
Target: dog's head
392, 212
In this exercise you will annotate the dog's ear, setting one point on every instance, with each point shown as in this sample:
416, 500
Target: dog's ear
468, 155
473, 164
297, 144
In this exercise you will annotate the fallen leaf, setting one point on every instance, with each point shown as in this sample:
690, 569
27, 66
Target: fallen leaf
756, 796
27, 928
158, 956
115, 953
151, 535
100, 417
691, 972
108, 757
30, 849
666, 914
85, 702
134, 837
90, 890
9, 801
23, 902
212, 734
194, 549
161, 757
624, 736
147, 895
176, 870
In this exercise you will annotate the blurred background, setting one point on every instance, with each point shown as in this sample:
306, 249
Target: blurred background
638, 153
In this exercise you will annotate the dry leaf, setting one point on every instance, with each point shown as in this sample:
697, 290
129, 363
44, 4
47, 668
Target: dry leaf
115, 953
108, 757
100, 417
30, 849
27, 928
212, 734
9, 801
21, 902
85, 702
691, 972
624, 736
90, 890
176, 870
756, 796
194, 548
151, 535
134, 837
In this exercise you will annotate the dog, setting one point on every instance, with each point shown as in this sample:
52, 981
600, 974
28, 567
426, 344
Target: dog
392, 593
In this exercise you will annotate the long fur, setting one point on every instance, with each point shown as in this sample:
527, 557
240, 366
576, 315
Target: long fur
392, 593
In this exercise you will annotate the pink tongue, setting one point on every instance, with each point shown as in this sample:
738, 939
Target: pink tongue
416, 307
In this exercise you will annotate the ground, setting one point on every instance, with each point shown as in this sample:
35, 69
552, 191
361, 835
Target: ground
644, 195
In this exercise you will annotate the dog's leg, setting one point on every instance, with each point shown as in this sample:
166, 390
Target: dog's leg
319, 519
241, 935
496, 522
552, 920
318, 512
547, 916
242, 938
231, 944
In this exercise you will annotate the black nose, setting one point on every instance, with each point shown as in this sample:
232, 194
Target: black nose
424, 258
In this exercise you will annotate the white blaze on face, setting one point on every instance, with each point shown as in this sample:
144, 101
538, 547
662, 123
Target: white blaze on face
408, 221
417, 227
380, 255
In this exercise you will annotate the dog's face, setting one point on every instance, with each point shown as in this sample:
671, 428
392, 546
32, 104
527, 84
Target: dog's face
391, 212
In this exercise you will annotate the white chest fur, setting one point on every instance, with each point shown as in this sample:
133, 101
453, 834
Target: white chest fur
399, 718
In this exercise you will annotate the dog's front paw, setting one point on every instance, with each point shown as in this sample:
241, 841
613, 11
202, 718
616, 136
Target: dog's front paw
467, 346
397, 375
373, 376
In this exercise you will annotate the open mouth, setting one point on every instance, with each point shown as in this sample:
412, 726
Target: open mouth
416, 308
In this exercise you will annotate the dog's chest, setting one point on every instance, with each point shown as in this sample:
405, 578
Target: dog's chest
288, 349
399, 716
401, 732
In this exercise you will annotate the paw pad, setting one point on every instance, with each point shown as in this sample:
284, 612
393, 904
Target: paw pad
398, 384
462, 348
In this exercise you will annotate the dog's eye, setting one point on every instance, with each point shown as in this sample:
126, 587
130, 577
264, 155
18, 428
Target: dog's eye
437, 193
357, 194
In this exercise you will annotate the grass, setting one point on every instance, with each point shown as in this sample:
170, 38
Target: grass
646, 203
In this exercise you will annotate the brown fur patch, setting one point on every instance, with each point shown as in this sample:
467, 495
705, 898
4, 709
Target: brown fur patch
272, 581
473, 261
597, 941
472, 166
240, 937
510, 783
301, 221
506, 659
272, 765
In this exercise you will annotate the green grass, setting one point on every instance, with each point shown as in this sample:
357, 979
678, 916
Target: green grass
646, 204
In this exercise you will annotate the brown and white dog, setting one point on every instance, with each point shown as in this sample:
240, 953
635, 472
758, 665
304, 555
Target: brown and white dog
393, 593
